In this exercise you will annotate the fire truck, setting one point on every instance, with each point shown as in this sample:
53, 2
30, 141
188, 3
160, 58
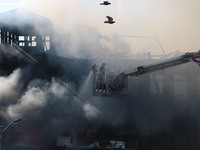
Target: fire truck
110, 84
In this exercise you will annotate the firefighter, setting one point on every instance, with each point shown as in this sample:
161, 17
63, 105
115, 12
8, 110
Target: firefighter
101, 76
102, 68
94, 67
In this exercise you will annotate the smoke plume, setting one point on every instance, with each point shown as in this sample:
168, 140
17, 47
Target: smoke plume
10, 85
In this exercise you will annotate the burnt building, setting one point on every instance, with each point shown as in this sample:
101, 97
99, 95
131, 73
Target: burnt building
34, 35
28, 30
161, 111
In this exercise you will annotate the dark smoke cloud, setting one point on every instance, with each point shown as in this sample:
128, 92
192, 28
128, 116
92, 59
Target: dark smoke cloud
9, 52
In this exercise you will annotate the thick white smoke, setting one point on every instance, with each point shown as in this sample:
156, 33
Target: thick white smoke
90, 111
31, 101
9, 86
38, 95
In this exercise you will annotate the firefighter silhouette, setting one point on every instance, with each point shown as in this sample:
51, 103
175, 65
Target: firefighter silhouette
101, 77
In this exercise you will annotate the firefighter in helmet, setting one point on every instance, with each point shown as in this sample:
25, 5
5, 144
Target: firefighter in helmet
102, 68
101, 76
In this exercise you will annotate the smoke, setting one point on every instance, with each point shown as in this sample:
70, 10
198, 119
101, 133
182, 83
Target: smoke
40, 94
120, 9
10, 86
90, 111
79, 35
52, 104
169, 20
60, 12
52, 101
31, 101
9, 90
26, 95
9, 52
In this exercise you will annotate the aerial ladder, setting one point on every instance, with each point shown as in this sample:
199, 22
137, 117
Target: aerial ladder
112, 85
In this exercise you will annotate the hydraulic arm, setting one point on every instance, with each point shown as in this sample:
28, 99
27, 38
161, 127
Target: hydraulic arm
187, 57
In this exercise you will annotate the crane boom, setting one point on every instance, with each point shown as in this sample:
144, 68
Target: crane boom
187, 57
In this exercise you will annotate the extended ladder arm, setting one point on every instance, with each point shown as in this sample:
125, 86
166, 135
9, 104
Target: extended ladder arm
187, 57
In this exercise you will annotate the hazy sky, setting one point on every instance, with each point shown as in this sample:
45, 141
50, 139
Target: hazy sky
176, 23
